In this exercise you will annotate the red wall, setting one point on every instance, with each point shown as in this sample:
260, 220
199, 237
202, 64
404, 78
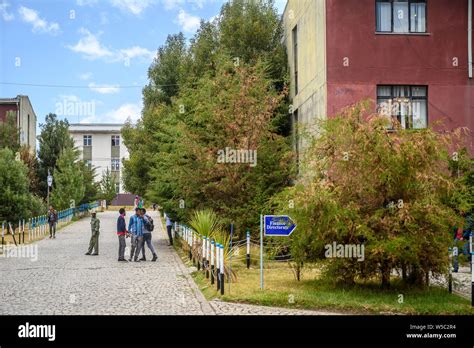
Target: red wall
4, 108
400, 59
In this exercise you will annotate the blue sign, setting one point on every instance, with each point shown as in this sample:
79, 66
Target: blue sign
278, 225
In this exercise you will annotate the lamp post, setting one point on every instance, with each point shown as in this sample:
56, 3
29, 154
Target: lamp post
50, 183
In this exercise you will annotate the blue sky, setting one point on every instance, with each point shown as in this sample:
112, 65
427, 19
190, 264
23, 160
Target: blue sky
98, 51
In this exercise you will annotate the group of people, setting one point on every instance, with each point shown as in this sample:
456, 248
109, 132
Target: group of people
139, 228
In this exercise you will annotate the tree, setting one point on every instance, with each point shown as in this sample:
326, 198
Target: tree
54, 137
31, 162
364, 184
91, 189
107, 186
16, 201
9, 133
68, 181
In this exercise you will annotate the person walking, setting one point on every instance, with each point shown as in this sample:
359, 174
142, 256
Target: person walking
135, 202
147, 229
52, 221
169, 225
135, 226
121, 233
94, 242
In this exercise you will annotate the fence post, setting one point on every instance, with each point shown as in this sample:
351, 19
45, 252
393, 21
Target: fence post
23, 231
194, 242
3, 236
199, 259
248, 249
12, 231
218, 266
206, 261
222, 268
212, 262
450, 275
471, 250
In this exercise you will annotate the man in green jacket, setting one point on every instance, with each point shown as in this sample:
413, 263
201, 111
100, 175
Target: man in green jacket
94, 243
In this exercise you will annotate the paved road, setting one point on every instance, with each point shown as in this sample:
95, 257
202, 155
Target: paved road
65, 281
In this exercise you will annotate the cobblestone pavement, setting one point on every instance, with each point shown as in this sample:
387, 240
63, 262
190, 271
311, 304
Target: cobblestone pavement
65, 281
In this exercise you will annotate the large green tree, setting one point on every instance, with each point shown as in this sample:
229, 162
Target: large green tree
54, 137
363, 184
9, 133
68, 181
16, 200
226, 89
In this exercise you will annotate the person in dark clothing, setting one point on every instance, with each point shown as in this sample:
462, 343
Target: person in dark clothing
52, 221
169, 226
121, 233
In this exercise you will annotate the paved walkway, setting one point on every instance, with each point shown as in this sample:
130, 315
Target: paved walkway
65, 281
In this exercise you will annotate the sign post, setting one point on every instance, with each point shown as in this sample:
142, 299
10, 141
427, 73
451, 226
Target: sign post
274, 226
50, 183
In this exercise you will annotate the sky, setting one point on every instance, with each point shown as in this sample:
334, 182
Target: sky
87, 60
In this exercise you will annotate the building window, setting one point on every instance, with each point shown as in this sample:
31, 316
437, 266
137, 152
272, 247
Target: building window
115, 140
88, 163
295, 56
117, 187
87, 140
401, 16
115, 164
296, 139
407, 104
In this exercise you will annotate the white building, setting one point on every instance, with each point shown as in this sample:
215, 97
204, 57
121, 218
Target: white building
101, 147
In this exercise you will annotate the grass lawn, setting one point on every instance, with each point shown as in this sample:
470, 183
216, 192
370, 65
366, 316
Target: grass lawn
282, 290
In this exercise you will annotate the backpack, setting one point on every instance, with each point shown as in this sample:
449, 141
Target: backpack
149, 224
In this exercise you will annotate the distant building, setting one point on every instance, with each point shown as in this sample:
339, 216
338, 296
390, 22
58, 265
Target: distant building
101, 147
412, 57
25, 118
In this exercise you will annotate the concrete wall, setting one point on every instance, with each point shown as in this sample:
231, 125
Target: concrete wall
309, 16
102, 152
27, 123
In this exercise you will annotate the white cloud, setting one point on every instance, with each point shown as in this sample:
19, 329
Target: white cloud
104, 89
123, 112
90, 46
172, 4
85, 76
4, 13
86, 2
135, 7
188, 23
136, 51
40, 25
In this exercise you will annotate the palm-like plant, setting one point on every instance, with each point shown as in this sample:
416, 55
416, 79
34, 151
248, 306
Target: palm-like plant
204, 222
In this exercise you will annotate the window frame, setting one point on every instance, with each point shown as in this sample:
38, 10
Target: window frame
114, 139
410, 2
410, 97
87, 137
115, 164
294, 38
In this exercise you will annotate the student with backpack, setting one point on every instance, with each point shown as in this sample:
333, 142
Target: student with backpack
121, 233
147, 229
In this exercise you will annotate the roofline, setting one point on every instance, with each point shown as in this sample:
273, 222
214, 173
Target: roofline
96, 124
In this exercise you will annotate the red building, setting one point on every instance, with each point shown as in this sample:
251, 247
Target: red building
25, 118
410, 55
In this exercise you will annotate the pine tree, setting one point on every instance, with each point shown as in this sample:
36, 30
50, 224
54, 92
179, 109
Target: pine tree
68, 179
